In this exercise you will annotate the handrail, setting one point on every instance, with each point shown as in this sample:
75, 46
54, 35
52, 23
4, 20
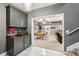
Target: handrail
72, 31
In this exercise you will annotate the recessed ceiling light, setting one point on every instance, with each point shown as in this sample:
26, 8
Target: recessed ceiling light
27, 7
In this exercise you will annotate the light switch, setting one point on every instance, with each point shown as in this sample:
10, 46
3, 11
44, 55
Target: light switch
67, 31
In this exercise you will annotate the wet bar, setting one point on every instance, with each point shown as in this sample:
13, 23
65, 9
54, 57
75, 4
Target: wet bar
17, 35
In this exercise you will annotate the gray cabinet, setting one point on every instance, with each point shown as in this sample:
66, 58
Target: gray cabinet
21, 43
27, 41
13, 17
25, 20
17, 18
18, 45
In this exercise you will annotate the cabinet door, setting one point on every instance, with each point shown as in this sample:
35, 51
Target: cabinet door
18, 45
15, 46
27, 41
17, 18
20, 20
13, 17
25, 20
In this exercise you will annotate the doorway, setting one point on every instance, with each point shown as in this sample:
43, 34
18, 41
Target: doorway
48, 32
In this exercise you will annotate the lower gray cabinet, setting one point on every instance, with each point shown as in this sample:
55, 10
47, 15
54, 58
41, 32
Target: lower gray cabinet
27, 41
18, 45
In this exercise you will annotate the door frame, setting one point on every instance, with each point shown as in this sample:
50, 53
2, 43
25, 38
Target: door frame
46, 16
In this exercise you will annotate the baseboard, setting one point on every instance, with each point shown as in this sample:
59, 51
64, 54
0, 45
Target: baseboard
73, 47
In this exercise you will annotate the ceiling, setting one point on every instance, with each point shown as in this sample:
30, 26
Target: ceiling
34, 6
40, 5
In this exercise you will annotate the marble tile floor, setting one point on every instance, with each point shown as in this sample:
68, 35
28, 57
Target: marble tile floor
37, 51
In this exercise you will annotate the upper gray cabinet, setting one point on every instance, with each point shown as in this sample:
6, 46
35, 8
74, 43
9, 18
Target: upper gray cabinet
17, 18
24, 21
